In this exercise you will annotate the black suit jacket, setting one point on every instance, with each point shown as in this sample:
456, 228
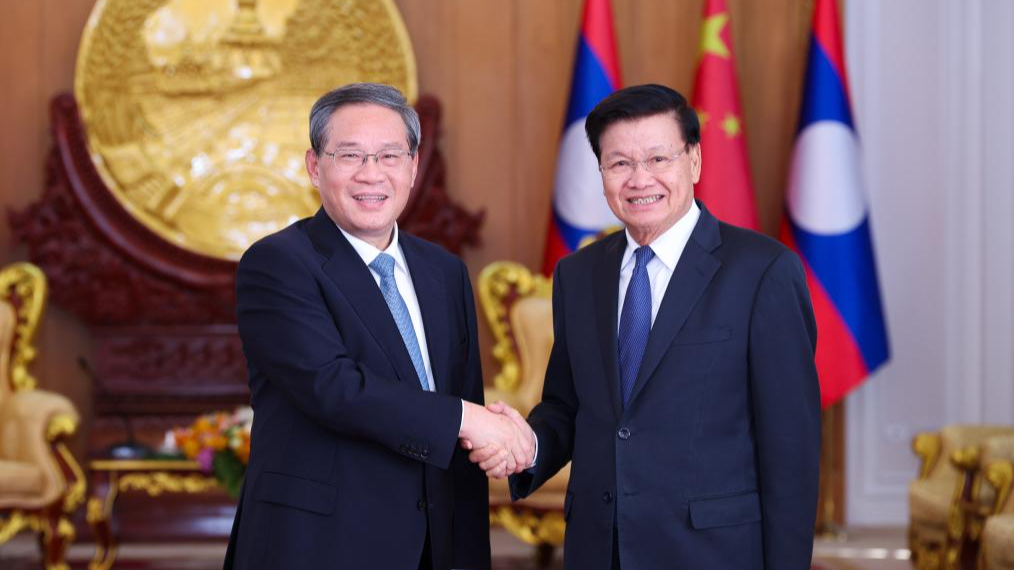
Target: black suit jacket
713, 463
353, 464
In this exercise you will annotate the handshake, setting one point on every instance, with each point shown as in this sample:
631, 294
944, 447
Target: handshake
500, 440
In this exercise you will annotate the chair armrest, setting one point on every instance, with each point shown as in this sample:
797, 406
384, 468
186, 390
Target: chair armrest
1000, 474
31, 413
32, 425
967, 510
927, 445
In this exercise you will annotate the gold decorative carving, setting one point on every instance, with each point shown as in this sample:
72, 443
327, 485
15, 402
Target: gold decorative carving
14, 523
17, 521
927, 447
121, 465
196, 112
499, 284
1000, 475
65, 530
59, 426
64, 426
24, 286
75, 490
162, 482
966, 458
531, 527
95, 511
966, 461
99, 514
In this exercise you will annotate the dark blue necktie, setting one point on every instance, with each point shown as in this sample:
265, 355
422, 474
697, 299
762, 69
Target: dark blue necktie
635, 322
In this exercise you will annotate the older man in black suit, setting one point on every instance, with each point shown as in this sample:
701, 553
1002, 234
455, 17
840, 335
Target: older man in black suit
364, 369
681, 382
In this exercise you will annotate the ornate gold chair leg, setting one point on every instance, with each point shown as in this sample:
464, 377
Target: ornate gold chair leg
99, 516
951, 549
928, 556
57, 534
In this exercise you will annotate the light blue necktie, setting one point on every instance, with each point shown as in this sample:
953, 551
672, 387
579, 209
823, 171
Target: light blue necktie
635, 322
384, 265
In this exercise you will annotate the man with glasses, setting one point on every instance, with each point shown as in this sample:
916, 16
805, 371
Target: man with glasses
364, 369
681, 381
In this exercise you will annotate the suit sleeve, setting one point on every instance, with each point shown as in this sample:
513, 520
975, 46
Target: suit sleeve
470, 532
553, 419
786, 407
290, 336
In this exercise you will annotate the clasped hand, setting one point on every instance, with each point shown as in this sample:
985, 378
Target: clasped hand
500, 440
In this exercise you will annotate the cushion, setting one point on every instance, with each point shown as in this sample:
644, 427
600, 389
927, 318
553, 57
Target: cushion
929, 501
998, 543
532, 321
19, 479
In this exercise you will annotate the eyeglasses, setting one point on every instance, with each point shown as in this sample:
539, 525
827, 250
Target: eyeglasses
622, 168
349, 159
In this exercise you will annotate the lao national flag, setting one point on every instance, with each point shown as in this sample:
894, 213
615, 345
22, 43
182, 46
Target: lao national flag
725, 176
579, 210
828, 219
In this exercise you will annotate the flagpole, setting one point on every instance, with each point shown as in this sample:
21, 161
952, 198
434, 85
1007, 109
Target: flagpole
827, 527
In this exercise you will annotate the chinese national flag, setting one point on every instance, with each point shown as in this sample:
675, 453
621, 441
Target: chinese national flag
725, 185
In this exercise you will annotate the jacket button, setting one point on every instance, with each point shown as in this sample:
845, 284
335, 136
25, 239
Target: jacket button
624, 434
421, 505
607, 497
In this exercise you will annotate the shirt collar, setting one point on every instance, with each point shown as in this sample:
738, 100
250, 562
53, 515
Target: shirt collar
669, 246
369, 252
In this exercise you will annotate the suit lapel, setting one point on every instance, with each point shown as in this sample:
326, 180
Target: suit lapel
606, 279
432, 296
691, 277
348, 272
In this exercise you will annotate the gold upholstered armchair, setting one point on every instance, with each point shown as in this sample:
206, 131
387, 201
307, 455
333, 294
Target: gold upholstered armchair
996, 550
518, 309
948, 495
40, 483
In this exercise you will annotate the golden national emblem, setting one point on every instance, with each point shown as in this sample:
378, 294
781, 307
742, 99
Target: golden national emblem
195, 110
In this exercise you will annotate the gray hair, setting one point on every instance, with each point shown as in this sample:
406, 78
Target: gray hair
359, 93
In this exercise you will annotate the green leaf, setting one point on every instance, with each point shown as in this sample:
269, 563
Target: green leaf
229, 471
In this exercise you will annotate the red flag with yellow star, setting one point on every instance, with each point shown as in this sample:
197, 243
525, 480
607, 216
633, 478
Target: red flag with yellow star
725, 185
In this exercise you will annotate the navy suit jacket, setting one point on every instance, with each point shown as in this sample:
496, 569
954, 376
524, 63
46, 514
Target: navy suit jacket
713, 464
353, 464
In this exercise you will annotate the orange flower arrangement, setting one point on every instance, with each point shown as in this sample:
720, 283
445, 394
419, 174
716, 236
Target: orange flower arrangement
220, 443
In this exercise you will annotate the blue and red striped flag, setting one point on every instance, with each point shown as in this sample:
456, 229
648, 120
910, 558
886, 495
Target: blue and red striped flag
828, 220
579, 211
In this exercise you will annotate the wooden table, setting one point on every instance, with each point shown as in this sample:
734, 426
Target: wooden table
111, 477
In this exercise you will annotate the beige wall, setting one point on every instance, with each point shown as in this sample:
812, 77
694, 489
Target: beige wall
502, 70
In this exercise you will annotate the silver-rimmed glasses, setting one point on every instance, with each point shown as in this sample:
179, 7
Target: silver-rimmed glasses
353, 158
622, 167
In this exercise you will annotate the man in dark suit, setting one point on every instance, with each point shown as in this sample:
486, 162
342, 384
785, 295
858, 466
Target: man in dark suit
364, 369
681, 382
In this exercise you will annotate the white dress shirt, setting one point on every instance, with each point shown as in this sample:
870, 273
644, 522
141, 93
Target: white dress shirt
668, 248
403, 279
